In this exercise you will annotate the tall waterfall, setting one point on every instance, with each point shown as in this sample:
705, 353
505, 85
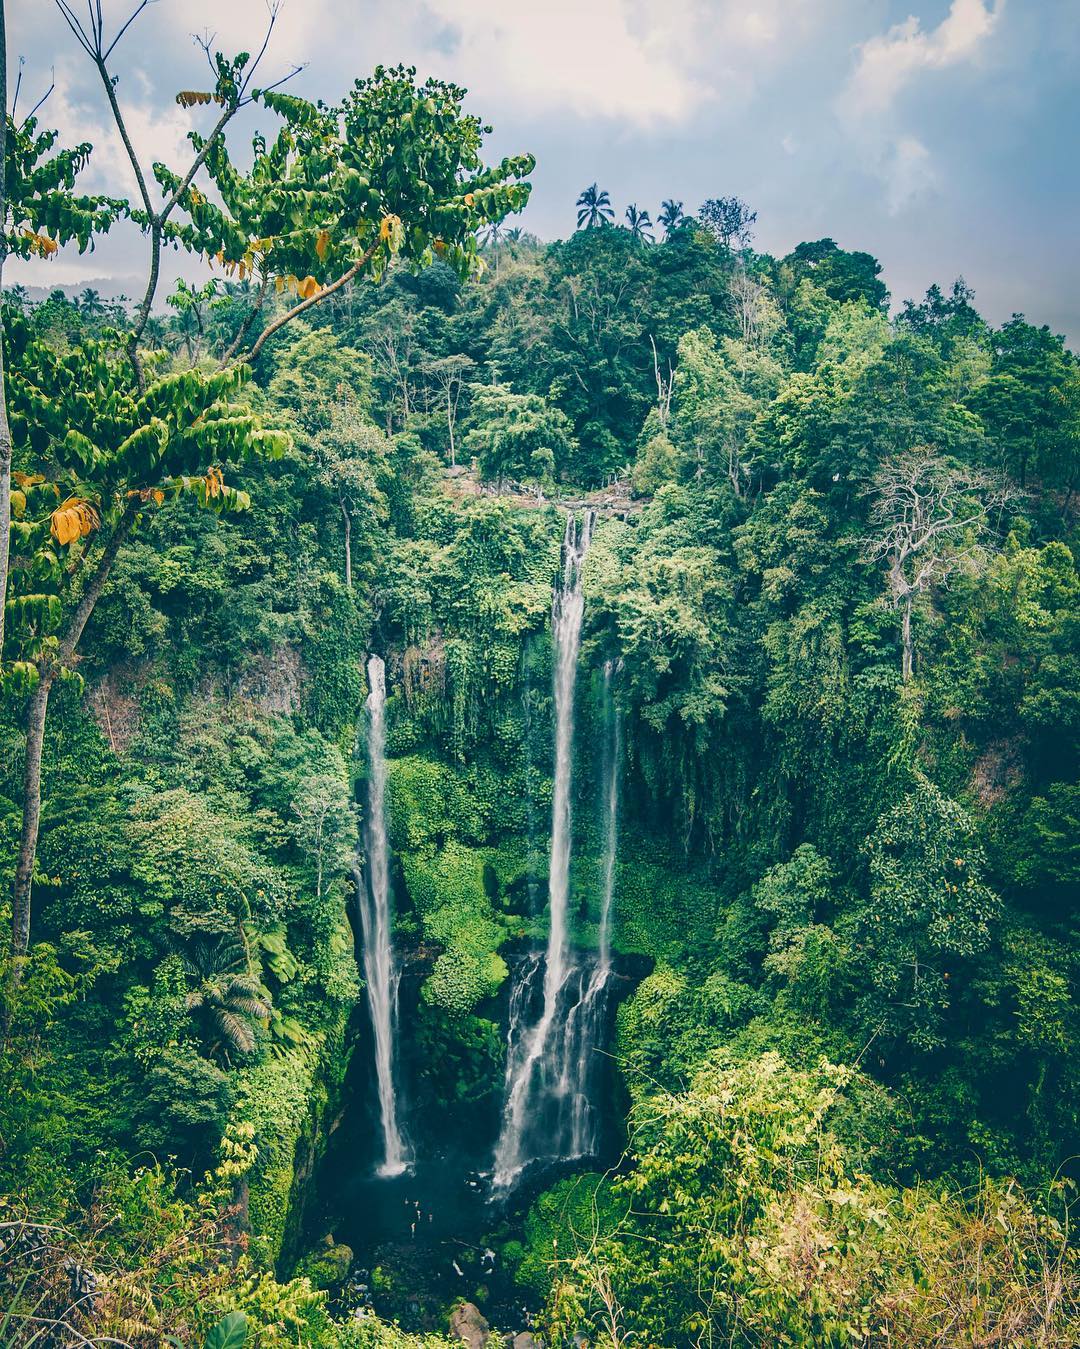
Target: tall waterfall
530, 1081
613, 752
583, 1024
381, 974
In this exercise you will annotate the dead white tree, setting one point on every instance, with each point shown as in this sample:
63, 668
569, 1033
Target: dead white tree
930, 521
665, 384
754, 306
449, 373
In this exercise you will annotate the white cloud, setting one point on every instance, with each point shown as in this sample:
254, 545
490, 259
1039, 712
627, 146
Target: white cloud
590, 57
885, 66
890, 61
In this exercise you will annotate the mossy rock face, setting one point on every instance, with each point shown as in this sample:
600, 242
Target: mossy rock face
327, 1266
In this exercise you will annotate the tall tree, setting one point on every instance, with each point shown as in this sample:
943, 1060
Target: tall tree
449, 374
729, 219
639, 225
594, 208
929, 519
671, 216
39, 211
325, 202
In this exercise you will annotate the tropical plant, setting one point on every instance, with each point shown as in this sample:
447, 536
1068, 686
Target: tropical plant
639, 225
227, 999
671, 216
594, 208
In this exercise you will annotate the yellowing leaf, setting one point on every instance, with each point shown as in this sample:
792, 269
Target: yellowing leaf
307, 288
392, 232
73, 519
187, 98
322, 242
40, 244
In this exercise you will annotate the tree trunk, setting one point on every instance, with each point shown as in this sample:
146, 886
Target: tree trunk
5, 429
909, 651
348, 546
450, 427
35, 736
24, 868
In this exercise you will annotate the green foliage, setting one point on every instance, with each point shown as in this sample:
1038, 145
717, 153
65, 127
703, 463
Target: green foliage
820, 858
743, 1217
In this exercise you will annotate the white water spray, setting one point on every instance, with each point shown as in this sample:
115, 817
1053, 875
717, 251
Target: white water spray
526, 1056
381, 975
584, 1022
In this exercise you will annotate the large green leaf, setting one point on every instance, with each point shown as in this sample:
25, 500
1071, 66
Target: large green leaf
229, 1333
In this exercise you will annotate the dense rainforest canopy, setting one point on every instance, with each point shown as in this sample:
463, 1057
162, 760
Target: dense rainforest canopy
833, 582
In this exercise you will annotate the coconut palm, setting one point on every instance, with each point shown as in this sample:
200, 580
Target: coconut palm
90, 303
639, 225
227, 998
670, 217
594, 208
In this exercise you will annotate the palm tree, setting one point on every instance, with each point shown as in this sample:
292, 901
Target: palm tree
490, 239
594, 208
227, 999
90, 303
670, 217
639, 225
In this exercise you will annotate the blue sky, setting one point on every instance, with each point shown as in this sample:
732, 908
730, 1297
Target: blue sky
940, 135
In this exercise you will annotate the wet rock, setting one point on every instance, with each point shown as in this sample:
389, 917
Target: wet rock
525, 1339
328, 1265
467, 1325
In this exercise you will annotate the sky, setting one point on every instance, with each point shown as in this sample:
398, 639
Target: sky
939, 135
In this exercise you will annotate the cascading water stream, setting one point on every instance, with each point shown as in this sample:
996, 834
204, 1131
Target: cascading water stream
583, 1024
381, 975
527, 1053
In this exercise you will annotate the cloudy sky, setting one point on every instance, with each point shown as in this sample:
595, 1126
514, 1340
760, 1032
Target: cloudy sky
941, 135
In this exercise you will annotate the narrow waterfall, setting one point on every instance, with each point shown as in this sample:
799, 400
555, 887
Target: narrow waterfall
381, 974
582, 1027
613, 752
527, 1080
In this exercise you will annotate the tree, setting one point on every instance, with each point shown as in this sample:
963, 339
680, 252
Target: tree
39, 211
90, 303
671, 216
843, 276
729, 220
190, 303
118, 457
227, 998
326, 825
639, 225
351, 463
930, 906
929, 519
450, 374
325, 201
594, 208
517, 435
1031, 404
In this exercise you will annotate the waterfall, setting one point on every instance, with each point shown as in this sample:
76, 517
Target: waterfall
381, 973
584, 1022
528, 1076
613, 750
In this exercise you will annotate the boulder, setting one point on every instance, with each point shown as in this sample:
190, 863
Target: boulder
467, 1325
